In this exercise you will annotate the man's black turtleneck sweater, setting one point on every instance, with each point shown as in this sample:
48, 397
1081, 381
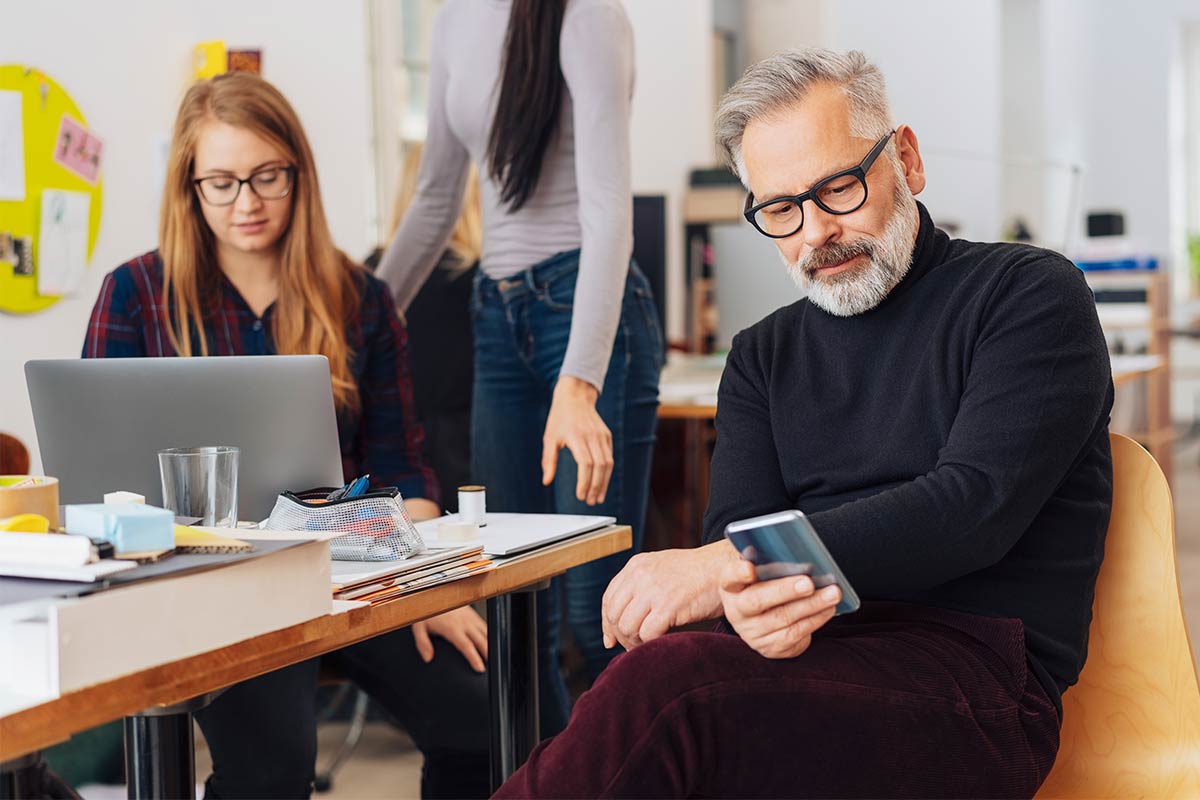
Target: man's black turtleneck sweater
950, 445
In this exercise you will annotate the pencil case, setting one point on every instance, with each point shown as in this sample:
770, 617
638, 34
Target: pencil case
376, 524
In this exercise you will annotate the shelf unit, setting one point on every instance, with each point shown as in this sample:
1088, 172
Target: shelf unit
703, 207
1152, 318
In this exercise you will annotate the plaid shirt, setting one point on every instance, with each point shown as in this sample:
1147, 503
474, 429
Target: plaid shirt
383, 439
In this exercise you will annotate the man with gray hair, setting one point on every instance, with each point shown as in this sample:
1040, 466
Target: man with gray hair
938, 409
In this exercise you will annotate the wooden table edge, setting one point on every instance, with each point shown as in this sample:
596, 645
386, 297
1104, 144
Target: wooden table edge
686, 411
1120, 378
35, 728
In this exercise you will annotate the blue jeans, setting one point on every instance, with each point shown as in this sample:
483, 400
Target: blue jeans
521, 329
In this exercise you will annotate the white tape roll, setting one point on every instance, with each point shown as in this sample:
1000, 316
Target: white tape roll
458, 532
472, 505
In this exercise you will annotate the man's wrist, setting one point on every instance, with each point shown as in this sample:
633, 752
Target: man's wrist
716, 555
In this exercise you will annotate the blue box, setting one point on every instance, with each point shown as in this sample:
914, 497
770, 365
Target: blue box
131, 528
1127, 264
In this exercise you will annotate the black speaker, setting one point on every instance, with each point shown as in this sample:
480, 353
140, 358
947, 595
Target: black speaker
1105, 223
650, 248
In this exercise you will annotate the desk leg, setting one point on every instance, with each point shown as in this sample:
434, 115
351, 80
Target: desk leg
160, 751
512, 680
160, 757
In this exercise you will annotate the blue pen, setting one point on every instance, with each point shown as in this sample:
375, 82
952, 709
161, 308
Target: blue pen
359, 486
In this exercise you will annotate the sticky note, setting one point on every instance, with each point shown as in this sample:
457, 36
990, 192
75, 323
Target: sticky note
78, 149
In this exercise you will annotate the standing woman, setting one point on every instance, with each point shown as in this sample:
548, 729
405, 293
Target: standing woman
246, 266
567, 341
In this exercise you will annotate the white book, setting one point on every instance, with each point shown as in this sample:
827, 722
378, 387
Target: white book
84, 573
47, 549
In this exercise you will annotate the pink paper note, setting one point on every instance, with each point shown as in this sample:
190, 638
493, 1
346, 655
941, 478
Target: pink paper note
78, 150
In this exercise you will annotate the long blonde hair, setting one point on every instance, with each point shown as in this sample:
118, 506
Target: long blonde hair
318, 288
466, 240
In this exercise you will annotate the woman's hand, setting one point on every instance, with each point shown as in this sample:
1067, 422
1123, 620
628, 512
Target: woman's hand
573, 423
462, 628
421, 509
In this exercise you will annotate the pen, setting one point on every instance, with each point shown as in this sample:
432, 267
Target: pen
352, 489
358, 487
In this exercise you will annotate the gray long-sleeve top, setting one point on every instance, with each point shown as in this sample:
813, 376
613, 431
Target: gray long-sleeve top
583, 197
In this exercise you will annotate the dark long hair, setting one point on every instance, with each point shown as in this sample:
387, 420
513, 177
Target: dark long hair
531, 88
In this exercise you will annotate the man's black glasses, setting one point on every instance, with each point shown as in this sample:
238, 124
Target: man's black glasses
841, 193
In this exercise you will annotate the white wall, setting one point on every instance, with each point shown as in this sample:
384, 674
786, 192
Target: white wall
672, 117
126, 63
774, 25
1059, 95
1127, 107
941, 59
942, 63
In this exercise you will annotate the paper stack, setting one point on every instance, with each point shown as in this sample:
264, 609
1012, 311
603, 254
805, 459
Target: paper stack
374, 582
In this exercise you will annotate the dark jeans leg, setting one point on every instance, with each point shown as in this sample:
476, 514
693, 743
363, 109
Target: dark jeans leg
508, 418
628, 404
878, 707
443, 705
521, 340
262, 735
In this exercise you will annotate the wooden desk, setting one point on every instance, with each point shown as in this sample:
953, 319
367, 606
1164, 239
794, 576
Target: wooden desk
688, 393
1153, 370
512, 655
687, 411
1129, 368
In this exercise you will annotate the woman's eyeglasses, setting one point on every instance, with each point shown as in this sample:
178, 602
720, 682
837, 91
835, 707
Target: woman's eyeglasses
273, 183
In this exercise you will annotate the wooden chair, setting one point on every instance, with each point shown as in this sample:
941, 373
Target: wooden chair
1132, 723
14, 457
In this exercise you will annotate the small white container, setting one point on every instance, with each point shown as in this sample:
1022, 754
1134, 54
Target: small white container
472, 505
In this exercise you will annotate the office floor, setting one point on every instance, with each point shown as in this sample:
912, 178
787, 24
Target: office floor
384, 765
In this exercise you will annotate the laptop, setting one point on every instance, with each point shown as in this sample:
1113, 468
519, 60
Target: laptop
511, 534
101, 422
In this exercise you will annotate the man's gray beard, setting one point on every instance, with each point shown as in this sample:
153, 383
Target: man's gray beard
862, 288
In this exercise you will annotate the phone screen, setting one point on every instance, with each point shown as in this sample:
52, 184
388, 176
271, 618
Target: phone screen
785, 544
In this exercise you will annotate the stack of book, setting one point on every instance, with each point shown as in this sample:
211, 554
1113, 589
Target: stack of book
375, 582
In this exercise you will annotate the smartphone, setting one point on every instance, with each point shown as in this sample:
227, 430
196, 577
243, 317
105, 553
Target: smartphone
785, 543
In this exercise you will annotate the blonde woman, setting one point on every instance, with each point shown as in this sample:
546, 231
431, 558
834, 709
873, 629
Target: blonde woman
246, 266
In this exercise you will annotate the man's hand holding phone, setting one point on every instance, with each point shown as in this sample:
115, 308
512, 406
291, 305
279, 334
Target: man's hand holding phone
777, 618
